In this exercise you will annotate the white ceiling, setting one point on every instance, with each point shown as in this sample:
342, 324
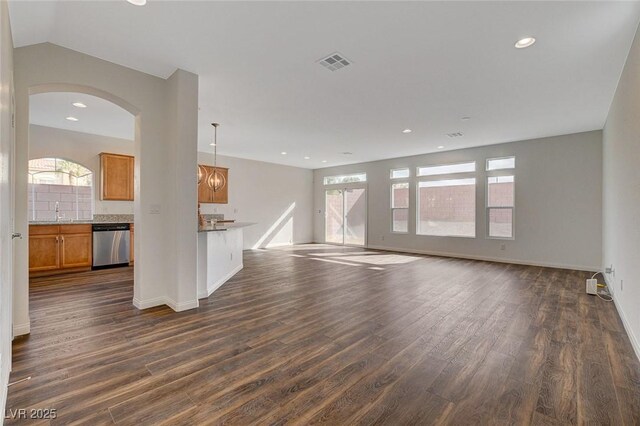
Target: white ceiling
418, 65
100, 117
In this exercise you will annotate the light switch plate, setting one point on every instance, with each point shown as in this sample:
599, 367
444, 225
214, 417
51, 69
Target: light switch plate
154, 209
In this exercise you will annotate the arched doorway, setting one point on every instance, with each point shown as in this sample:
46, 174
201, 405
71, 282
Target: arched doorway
21, 299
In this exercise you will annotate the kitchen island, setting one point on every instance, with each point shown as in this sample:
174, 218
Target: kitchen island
219, 255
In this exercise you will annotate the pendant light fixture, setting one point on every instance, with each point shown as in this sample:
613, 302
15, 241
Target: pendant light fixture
216, 180
202, 174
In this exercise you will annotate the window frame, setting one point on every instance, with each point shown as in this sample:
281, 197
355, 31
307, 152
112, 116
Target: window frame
89, 171
419, 176
408, 169
324, 179
449, 176
393, 209
493, 174
486, 163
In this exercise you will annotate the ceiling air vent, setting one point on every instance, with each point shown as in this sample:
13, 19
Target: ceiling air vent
335, 61
454, 135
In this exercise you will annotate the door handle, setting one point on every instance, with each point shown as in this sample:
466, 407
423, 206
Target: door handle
16, 235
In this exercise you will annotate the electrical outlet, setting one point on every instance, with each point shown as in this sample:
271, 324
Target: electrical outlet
621, 285
503, 246
381, 237
235, 210
231, 256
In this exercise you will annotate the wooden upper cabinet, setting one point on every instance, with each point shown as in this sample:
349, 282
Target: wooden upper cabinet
116, 177
207, 195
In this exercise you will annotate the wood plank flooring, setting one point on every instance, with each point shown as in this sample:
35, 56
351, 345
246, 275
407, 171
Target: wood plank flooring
319, 334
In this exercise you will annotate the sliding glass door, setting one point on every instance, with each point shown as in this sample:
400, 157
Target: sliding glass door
346, 216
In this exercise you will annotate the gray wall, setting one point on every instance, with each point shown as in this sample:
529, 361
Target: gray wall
621, 195
558, 203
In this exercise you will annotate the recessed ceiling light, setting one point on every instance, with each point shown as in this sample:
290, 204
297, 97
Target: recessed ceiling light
284, 153
79, 105
137, 2
324, 161
525, 42
306, 158
465, 118
441, 147
212, 144
406, 131
72, 119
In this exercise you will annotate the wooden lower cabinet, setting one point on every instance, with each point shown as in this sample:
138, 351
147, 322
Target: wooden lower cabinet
59, 248
75, 250
43, 253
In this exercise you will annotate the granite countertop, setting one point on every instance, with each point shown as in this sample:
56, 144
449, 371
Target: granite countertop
97, 219
224, 226
77, 222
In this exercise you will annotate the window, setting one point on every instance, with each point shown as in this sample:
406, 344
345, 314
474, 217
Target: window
62, 184
356, 177
400, 173
501, 163
500, 205
447, 207
447, 169
400, 207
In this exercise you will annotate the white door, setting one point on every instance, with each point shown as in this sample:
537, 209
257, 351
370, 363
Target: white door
7, 123
346, 216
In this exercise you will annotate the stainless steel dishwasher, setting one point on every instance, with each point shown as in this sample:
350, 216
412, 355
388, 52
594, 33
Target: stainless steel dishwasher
111, 245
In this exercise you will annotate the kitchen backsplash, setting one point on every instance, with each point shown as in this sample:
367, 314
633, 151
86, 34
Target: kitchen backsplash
216, 216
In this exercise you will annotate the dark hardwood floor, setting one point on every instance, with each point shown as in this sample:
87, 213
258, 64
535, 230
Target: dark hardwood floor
319, 334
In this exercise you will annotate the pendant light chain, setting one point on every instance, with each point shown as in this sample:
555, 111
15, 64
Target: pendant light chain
215, 146
216, 181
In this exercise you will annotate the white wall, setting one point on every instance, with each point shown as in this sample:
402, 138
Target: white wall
621, 194
6, 182
278, 198
165, 114
83, 148
558, 204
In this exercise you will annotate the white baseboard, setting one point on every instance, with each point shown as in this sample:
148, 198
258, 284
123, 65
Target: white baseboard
159, 301
149, 303
487, 258
213, 287
3, 396
634, 342
179, 307
21, 329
